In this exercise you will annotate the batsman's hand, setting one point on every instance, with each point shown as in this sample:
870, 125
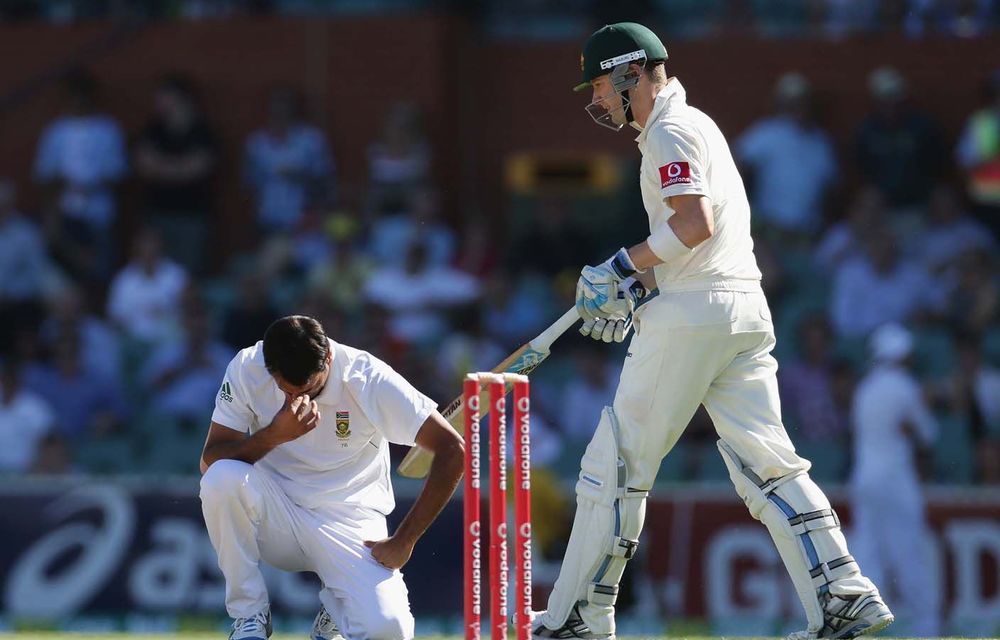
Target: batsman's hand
391, 552
297, 417
598, 289
607, 329
612, 329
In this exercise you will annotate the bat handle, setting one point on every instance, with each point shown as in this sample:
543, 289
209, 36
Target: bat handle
545, 339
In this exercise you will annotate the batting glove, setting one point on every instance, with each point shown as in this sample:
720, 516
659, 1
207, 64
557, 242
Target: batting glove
598, 291
617, 329
607, 329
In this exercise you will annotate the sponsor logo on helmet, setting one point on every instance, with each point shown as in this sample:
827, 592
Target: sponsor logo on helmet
625, 57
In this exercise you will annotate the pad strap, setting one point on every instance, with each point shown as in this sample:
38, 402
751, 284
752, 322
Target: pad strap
826, 573
602, 594
806, 522
623, 547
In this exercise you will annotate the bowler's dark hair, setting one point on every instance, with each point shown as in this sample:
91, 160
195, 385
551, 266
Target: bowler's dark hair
295, 347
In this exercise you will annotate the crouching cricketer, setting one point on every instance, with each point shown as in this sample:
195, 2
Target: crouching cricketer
296, 473
706, 338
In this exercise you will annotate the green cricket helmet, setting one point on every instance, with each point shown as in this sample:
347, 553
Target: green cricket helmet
609, 51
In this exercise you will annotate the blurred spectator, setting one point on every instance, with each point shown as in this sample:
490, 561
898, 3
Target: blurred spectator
175, 159
879, 287
85, 403
844, 240
25, 420
962, 18
973, 391
246, 321
288, 164
892, 425
808, 397
899, 149
789, 160
587, 393
53, 457
399, 160
417, 294
974, 302
80, 161
144, 296
949, 232
978, 154
310, 244
68, 315
467, 348
419, 221
339, 279
24, 264
182, 376
516, 308
549, 239
24, 268
843, 17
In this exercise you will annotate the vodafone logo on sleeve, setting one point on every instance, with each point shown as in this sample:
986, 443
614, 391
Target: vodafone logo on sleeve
675, 173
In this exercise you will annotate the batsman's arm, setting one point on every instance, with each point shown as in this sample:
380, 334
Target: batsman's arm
443, 442
692, 223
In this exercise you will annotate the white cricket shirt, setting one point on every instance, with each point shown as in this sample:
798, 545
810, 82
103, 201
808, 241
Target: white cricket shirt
684, 152
364, 406
886, 401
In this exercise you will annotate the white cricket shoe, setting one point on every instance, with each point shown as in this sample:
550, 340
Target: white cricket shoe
324, 628
256, 627
574, 627
850, 617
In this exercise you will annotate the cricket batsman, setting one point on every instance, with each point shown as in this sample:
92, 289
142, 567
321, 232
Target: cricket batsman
296, 473
706, 338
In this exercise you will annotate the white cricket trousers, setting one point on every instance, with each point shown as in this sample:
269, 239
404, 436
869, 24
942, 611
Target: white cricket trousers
893, 543
711, 348
250, 519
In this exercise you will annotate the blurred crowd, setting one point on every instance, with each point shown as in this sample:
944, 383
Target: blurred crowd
676, 18
113, 352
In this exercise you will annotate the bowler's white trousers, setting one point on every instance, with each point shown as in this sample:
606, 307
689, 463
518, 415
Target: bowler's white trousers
250, 519
711, 348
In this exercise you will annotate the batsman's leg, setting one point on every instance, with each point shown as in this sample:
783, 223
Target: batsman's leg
775, 485
662, 383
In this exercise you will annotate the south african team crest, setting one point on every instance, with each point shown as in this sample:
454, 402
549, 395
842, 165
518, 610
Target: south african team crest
343, 425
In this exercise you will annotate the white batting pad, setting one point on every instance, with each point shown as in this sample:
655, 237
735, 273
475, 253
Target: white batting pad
609, 517
806, 532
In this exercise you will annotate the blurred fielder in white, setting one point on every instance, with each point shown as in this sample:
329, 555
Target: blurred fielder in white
296, 473
706, 338
891, 424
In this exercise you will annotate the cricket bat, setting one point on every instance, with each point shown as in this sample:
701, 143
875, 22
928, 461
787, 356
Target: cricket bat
417, 462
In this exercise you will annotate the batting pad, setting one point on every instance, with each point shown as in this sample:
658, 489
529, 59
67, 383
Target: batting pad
609, 517
806, 531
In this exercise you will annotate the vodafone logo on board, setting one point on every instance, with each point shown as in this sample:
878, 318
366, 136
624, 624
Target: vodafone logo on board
675, 173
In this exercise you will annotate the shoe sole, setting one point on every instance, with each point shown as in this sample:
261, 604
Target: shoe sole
874, 627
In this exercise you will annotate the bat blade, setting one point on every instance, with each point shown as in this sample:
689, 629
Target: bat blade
417, 462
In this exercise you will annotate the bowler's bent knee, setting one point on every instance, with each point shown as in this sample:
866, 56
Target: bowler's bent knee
223, 478
390, 626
